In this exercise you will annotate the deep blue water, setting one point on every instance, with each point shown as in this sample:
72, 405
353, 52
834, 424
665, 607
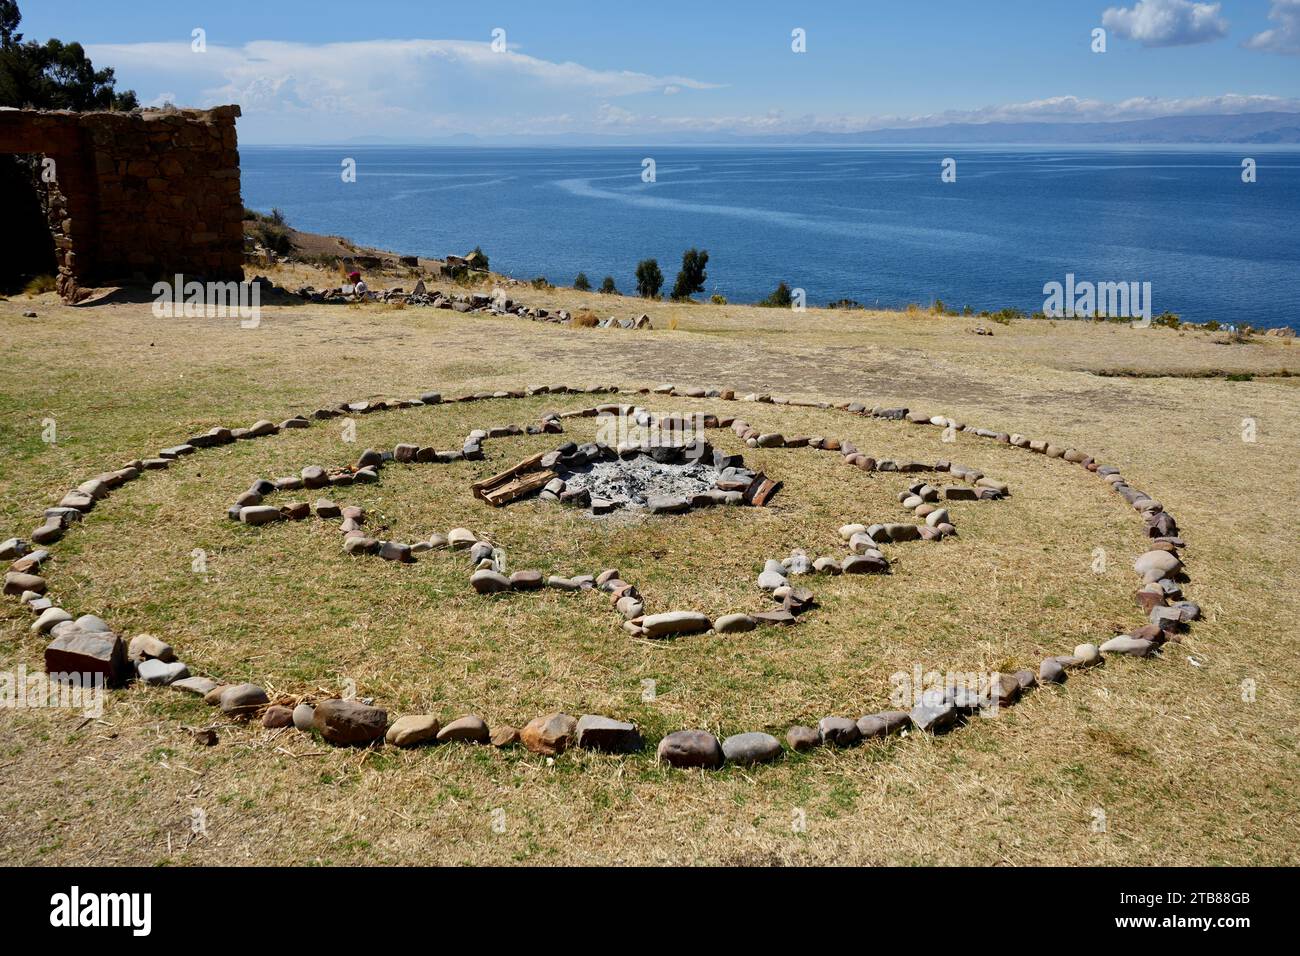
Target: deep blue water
873, 224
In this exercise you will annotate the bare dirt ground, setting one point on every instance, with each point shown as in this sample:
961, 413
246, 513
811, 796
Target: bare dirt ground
1187, 759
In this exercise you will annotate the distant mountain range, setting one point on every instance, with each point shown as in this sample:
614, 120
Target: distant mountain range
1236, 128
1253, 128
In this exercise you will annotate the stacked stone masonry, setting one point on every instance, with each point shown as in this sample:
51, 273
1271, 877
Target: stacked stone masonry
138, 196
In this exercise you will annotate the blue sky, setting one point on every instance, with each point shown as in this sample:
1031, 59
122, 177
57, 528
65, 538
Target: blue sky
310, 71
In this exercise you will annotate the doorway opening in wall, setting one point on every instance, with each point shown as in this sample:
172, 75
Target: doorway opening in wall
27, 254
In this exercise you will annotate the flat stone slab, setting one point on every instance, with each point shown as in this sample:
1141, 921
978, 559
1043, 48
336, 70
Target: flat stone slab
76, 651
595, 732
200, 686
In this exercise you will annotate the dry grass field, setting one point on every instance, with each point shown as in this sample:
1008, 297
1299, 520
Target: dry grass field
1183, 768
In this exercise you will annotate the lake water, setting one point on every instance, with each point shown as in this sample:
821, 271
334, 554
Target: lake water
874, 224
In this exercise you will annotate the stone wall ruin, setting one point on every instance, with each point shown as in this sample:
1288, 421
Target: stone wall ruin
138, 196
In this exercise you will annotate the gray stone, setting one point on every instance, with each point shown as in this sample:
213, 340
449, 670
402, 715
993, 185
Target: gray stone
1087, 654
395, 551
604, 733
802, 738
838, 731
242, 700
489, 582
934, 713
469, 729
751, 748
526, 580
734, 623
883, 724
48, 618
937, 517
1130, 646
160, 673
690, 748
12, 548
360, 544
48, 533
1051, 671
671, 623
460, 539
348, 722
827, 565
864, 564
667, 504
16, 583
304, 717
1158, 563
259, 514
199, 686
412, 730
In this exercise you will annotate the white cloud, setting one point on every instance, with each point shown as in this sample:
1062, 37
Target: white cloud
1285, 37
416, 90
1167, 22
395, 87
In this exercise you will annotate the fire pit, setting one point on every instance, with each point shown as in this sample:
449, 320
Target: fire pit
660, 479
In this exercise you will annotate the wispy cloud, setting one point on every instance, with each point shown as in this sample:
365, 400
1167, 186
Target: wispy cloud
1156, 23
1283, 38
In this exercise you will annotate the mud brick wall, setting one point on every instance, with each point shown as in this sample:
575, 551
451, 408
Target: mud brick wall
137, 196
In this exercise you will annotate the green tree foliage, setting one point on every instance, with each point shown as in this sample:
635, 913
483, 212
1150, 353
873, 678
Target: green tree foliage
649, 280
582, 283
692, 276
608, 287
53, 75
780, 297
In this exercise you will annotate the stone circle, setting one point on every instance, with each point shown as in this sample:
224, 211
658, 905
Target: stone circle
653, 481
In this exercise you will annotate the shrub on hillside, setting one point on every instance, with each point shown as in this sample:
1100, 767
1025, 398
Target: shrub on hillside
780, 297
271, 231
607, 287
582, 283
585, 320
691, 277
649, 279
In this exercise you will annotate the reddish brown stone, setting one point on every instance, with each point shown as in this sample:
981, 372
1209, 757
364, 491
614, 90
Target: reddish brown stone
549, 735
